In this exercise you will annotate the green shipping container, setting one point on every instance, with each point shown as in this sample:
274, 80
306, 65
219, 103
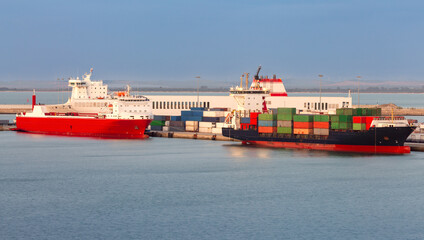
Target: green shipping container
335, 125
284, 117
339, 111
348, 111
284, 130
303, 118
345, 125
291, 111
321, 118
357, 112
267, 117
359, 126
157, 123
345, 118
334, 118
341, 118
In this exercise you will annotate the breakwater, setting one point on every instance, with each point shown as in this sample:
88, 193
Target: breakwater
14, 108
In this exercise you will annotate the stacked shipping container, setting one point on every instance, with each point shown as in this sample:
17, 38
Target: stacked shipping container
322, 125
303, 124
267, 123
285, 120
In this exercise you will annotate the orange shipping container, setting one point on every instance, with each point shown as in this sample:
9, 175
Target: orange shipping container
302, 131
321, 125
303, 125
267, 129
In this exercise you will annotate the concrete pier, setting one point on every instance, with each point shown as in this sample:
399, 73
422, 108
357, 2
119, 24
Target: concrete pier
15, 108
190, 135
7, 127
418, 147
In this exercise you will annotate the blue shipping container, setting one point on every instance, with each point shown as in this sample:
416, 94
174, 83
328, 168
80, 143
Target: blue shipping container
197, 109
210, 119
186, 113
155, 128
175, 118
159, 118
265, 123
192, 118
197, 113
245, 120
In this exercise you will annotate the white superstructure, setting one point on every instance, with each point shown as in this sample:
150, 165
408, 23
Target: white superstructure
249, 98
92, 97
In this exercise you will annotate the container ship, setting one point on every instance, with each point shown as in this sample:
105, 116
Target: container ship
360, 130
90, 112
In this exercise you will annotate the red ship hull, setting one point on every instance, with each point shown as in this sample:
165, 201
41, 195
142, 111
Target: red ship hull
335, 147
84, 126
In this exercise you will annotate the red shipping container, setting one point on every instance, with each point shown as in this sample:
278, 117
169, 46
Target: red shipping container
267, 129
359, 119
368, 120
254, 115
244, 126
321, 125
253, 121
303, 125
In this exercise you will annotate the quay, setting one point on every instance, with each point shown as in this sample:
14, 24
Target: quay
6, 126
418, 147
190, 135
14, 108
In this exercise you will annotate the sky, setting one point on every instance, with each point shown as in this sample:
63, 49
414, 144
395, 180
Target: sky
169, 43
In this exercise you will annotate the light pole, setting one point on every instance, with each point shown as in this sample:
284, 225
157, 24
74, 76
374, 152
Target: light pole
359, 78
198, 80
320, 83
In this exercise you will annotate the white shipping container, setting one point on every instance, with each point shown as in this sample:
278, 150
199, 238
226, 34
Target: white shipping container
205, 130
166, 123
206, 124
214, 114
222, 125
192, 123
209, 114
165, 129
191, 129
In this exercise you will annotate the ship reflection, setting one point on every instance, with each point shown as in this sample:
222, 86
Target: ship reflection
240, 151
244, 152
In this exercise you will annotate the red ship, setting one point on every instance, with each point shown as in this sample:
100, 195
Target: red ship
84, 126
117, 116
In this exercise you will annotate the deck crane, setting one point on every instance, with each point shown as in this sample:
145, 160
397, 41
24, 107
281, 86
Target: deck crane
256, 78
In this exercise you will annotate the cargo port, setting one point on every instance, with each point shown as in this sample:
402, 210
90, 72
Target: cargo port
251, 114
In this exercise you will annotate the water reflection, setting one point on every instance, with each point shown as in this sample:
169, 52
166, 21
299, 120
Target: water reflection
243, 152
252, 151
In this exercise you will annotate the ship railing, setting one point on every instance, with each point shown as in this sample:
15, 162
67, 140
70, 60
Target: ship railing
385, 118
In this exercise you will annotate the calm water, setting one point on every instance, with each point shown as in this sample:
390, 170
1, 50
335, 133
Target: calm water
82, 188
